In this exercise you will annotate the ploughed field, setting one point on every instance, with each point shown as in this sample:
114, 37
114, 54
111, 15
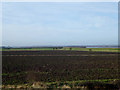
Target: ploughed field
20, 67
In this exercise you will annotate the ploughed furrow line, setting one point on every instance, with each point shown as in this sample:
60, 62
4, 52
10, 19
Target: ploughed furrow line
68, 55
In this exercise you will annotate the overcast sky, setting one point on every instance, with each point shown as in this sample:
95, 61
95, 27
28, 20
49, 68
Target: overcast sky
39, 24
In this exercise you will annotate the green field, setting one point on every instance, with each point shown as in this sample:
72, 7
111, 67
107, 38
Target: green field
65, 48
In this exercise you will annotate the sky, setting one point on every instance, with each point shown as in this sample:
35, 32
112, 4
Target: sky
59, 23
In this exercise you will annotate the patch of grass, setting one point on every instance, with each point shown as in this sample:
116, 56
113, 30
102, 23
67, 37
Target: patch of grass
95, 49
26, 49
65, 48
81, 81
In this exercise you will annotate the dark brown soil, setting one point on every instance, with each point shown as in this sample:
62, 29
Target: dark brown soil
25, 69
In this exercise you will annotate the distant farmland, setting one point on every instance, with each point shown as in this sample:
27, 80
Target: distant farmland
63, 48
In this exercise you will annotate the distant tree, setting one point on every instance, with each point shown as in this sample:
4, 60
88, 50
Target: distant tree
53, 48
90, 50
70, 48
